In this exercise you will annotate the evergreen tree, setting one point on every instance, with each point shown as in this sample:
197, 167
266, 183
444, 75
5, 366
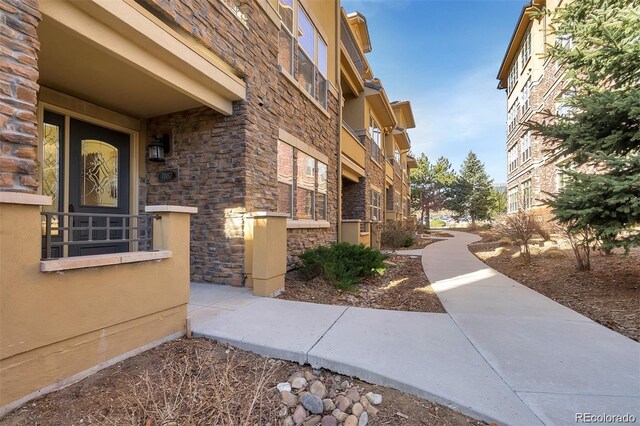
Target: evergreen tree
498, 203
429, 183
470, 194
601, 135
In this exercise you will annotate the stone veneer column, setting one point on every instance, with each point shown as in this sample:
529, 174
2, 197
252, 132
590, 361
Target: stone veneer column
18, 95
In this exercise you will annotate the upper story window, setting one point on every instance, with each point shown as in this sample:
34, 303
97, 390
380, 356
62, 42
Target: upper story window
526, 147
512, 116
308, 50
525, 52
396, 155
512, 158
376, 137
526, 96
561, 179
564, 40
513, 76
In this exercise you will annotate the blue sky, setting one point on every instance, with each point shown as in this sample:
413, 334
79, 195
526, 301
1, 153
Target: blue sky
443, 56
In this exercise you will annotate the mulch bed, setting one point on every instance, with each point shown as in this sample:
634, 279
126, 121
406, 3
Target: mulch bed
420, 243
608, 294
403, 287
200, 382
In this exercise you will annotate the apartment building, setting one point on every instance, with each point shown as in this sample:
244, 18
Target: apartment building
145, 144
374, 142
534, 84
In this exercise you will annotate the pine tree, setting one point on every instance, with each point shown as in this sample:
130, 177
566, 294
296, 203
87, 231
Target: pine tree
601, 135
429, 183
470, 194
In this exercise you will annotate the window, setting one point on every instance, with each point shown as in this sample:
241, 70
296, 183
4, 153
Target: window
376, 206
526, 147
285, 48
561, 179
376, 138
512, 116
512, 158
306, 189
513, 76
526, 95
396, 155
564, 41
308, 50
563, 105
527, 198
525, 53
513, 199
285, 178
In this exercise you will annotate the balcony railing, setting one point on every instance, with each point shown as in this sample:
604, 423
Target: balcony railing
375, 151
93, 231
352, 49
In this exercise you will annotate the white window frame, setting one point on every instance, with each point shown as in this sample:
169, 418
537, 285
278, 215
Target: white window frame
513, 197
525, 147
376, 205
527, 196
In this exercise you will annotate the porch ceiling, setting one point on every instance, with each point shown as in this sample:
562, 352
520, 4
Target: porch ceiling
116, 55
71, 65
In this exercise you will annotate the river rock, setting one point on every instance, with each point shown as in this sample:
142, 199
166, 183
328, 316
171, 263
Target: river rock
312, 421
300, 414
353, 395
318, 389
289, 399
312, 403
284, 387
372, 411
295, 376
299, 383
364, 419
341, 416
328, 405
357, 409
288, 422
374, 398
343, 403
329, 421
309, 376
351, 421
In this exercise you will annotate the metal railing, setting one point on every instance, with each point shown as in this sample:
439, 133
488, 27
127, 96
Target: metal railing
351, 47
77, 230
375, 152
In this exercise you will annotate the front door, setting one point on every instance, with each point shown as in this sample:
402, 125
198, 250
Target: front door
98, 184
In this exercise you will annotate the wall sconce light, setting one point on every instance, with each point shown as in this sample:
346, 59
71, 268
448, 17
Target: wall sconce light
158, 147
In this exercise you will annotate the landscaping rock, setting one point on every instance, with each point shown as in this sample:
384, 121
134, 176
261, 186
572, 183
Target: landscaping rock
328, 405
364, 419
284, 387
284, 411
309, 376
312, 403
341, 416
289, 399
357, 409
343, 403
372, 411
329, 421
332, 393
345, 385
299, 383
318, 389
312, 421
351, 421
353, 395
300, 414
295, 376
289, 422
374, 398
365, 402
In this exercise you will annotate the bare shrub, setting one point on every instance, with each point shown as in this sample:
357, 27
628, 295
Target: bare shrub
581, 240
196, 388
520, 228
396, 234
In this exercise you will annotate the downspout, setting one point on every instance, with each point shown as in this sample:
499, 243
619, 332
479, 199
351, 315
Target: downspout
340, 101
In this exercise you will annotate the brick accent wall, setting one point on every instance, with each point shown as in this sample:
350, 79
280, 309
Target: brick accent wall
18, 95
228, 165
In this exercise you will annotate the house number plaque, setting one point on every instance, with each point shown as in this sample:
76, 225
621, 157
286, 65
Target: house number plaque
167, 175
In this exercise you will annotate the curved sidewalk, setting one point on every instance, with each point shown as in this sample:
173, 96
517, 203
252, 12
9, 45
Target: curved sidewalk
558, 362
502, 353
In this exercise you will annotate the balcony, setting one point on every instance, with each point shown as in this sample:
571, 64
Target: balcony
351, 145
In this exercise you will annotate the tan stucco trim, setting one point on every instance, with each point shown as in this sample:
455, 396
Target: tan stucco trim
170, 209
24, 198
346, 161
287, 137
304, 224
375, 188
81, 262
130, 35
266, 214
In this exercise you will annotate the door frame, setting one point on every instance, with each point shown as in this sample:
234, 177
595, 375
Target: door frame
71, 107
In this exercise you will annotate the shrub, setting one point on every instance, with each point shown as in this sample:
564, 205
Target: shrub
519, 227
409, 242
343, 264
395, 235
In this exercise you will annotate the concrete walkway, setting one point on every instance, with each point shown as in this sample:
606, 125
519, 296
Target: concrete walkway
503, 353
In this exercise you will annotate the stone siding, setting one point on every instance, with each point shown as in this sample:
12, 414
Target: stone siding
19, 47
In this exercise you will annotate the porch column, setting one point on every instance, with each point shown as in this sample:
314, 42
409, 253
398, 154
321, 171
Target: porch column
266, 252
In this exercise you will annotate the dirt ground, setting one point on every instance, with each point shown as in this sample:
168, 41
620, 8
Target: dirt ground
403, 287
200, 382
608, 294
